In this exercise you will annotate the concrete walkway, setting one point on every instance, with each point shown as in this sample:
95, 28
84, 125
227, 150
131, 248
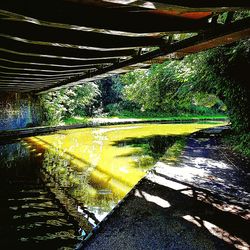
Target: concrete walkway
202, 203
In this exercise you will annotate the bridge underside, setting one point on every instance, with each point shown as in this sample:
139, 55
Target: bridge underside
47, 45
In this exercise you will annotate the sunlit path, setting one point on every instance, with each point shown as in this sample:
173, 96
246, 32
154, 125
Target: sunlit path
205, 165
201, 203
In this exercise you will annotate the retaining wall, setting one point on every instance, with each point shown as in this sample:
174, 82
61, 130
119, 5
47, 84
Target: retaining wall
18, 110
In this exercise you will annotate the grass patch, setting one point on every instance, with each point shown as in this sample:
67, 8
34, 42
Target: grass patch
154, 148
163, 116
238, 143
75, 120
157, 117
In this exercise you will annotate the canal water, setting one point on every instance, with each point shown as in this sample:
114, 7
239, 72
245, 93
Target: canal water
56, 188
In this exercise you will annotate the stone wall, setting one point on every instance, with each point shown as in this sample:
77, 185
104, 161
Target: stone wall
19, 110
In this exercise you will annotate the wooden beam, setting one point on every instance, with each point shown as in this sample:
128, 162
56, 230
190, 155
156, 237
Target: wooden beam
38, 75
91, 40
44, 71
24, 47
21, 85
17, 89
187, 5
64, 61
206, 5
16, 64
48, 68
30, 79
34, 84
76, 13
227, 30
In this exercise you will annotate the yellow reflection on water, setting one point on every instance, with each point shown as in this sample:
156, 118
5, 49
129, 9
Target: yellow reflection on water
109, 164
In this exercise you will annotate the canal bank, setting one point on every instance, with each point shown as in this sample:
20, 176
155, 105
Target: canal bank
36, 130
202, 203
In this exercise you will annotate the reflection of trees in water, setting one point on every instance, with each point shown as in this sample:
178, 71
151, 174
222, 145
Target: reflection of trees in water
76, 184
12, 153
31, 214
149, 149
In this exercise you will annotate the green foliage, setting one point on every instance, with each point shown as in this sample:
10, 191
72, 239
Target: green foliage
52, 109
155, 89
75, 120
210, 82
224, 71
172, 154
110, 91
68, 102
239, 143
168, 88
205, 83
114, 109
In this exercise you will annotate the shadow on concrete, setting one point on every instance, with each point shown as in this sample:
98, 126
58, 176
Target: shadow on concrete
202, 203
156, 216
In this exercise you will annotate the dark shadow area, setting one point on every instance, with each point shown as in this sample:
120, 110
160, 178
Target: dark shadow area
207, 195
158, 217
157, 144
151, 148
226, 220
31, 215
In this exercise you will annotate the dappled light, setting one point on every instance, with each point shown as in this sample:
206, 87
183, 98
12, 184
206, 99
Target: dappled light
203, 176
125, 124
210, 174
202, 201
218, 232
201, 220
152, 198
99, 166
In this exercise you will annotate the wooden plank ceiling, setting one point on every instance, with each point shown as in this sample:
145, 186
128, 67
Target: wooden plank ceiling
50, 44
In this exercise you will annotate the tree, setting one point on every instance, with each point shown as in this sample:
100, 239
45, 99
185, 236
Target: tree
67, 102
168, 88
224, 71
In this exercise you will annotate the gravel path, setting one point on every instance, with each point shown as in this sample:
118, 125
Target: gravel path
202, 203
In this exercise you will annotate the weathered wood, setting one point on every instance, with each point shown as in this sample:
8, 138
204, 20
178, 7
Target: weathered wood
53, 67
213, 38
241, 26
33, 32
15, 87
10, 63
24, 85
39, 75
19, 81
46, 45
56, 50
207, 4
64, 61
188, 5
76, 13
42, 71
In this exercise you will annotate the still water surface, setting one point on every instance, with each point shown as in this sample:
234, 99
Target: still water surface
56, 188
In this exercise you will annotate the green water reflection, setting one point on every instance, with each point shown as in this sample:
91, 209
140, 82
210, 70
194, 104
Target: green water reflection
97, 167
